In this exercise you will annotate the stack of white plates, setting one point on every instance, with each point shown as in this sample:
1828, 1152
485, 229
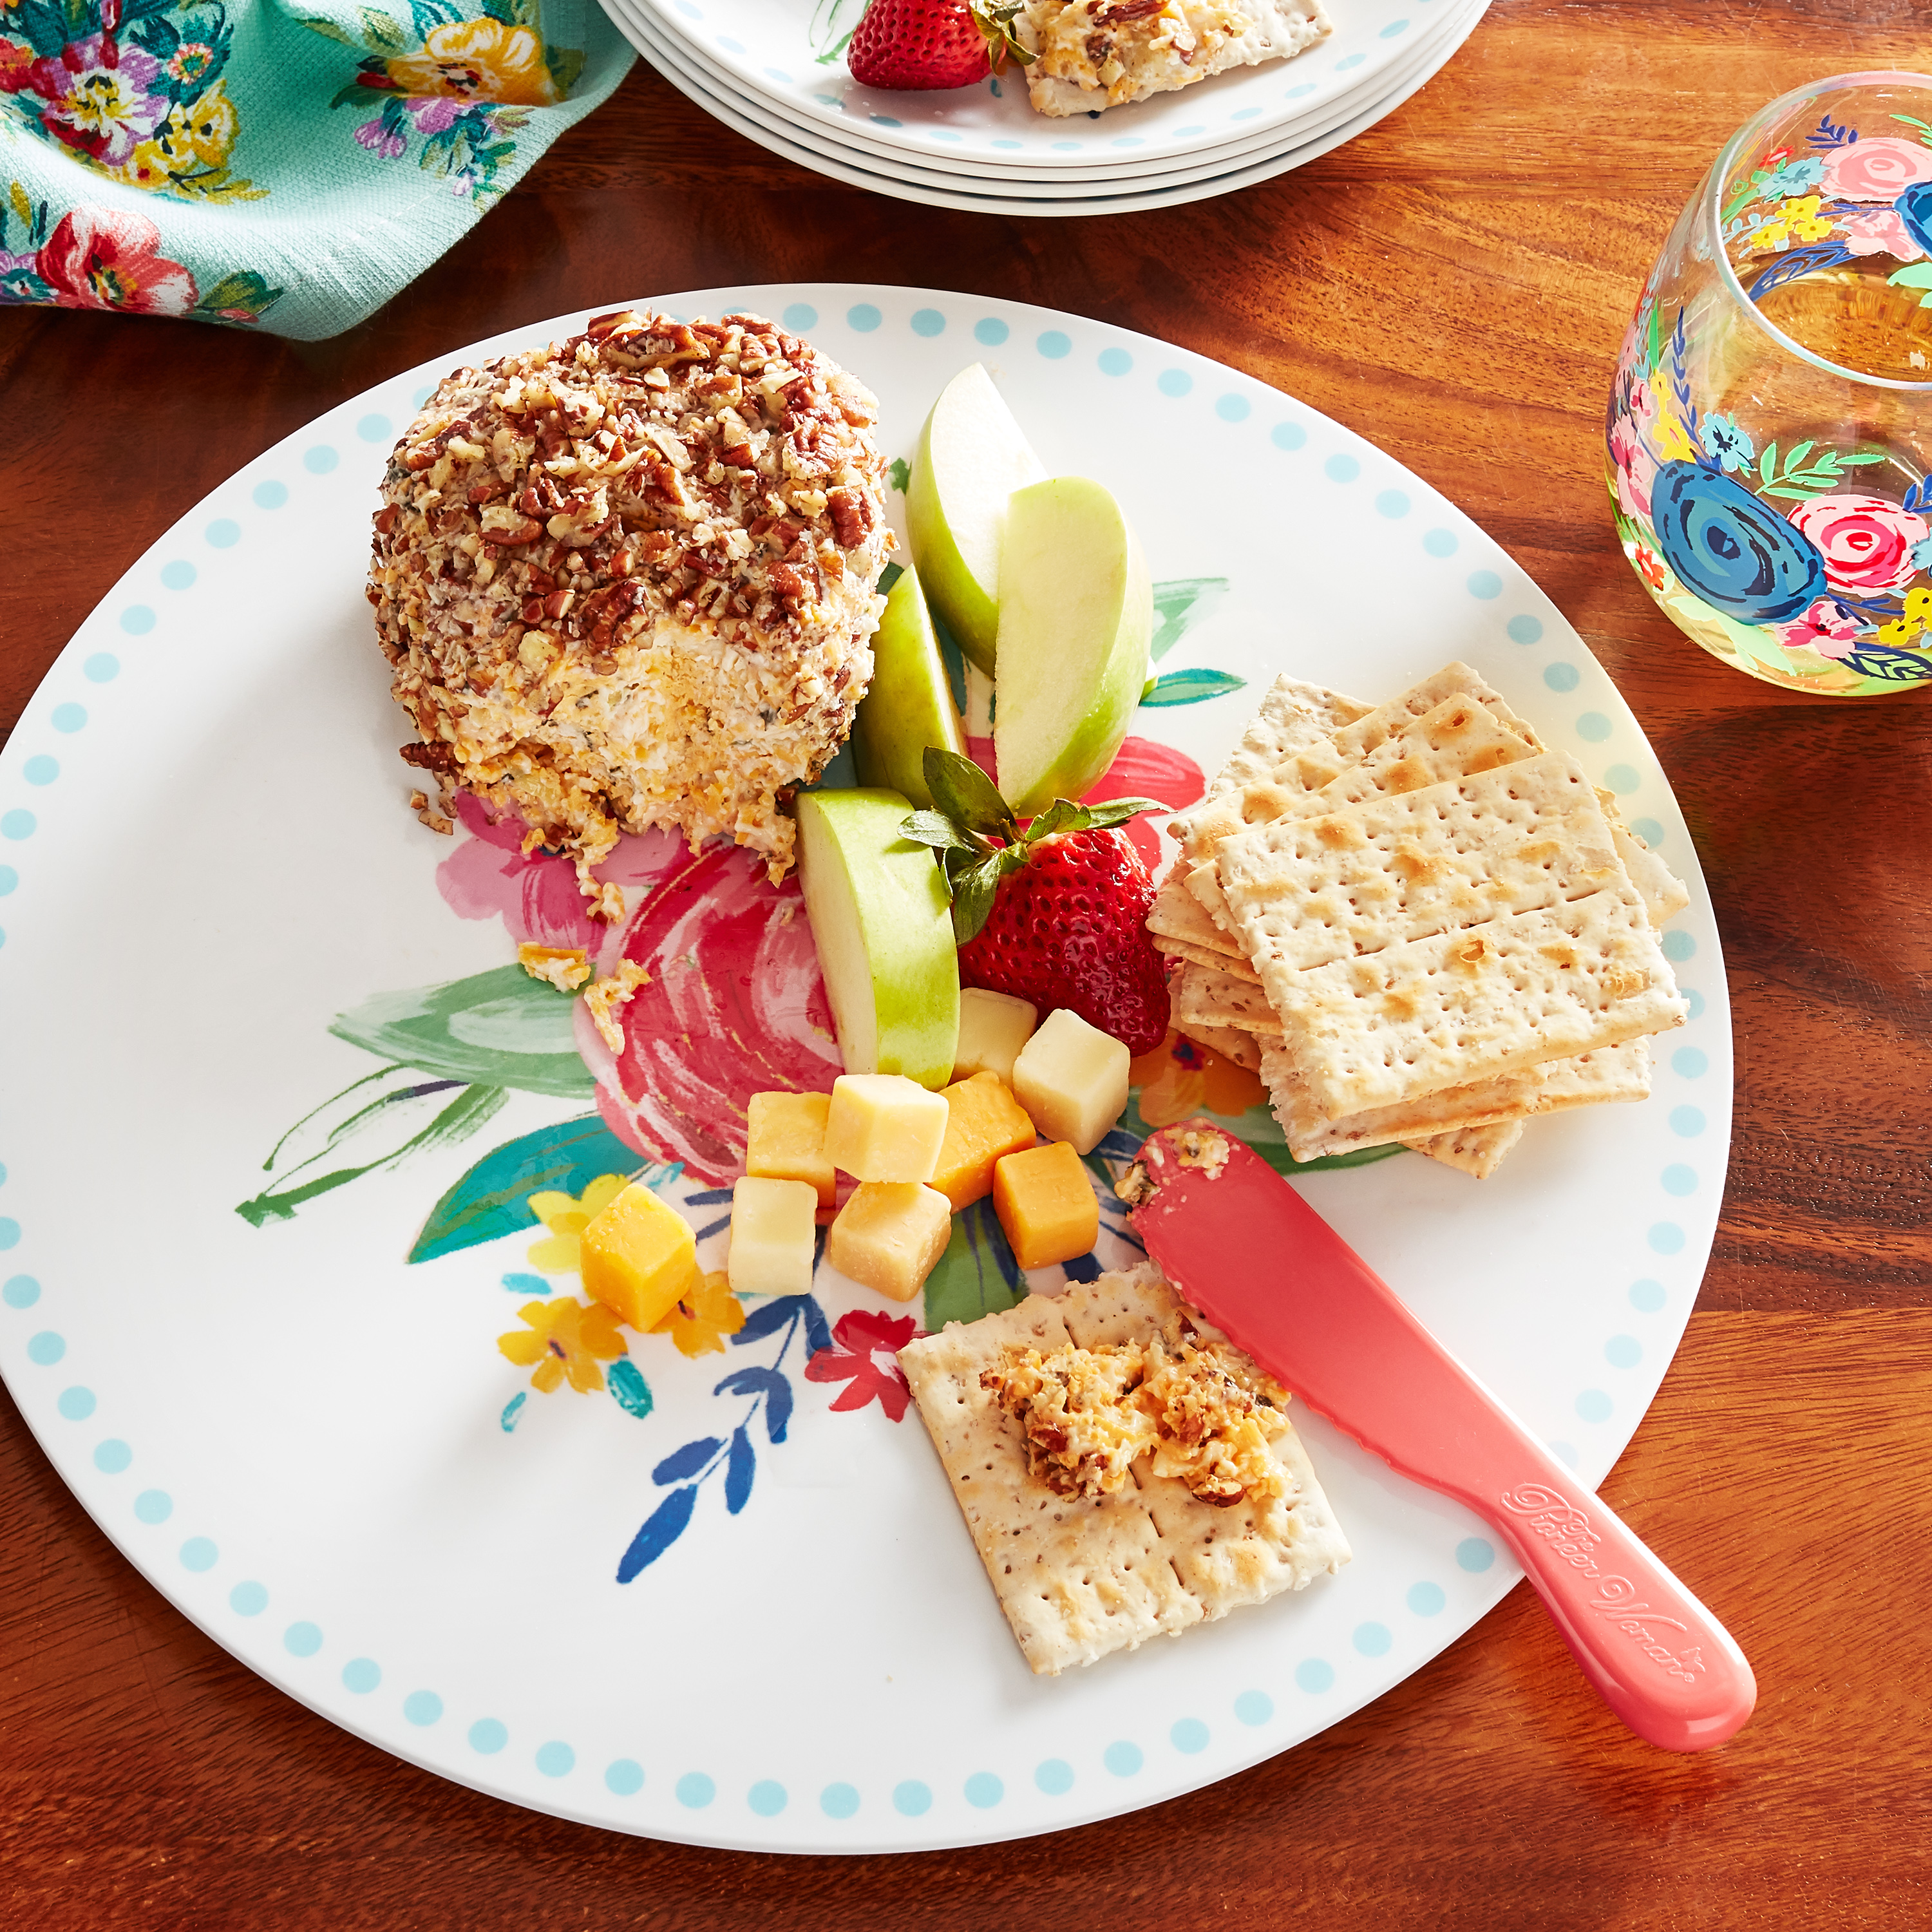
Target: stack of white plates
774, 71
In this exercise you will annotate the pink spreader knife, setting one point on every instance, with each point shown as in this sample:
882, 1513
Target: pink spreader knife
1241, 1245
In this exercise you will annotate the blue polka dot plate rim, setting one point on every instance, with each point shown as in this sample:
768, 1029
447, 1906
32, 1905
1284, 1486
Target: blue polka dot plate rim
845, 136
313, 1448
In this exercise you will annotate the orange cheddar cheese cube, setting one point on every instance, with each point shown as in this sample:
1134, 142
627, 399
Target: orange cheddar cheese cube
1046, 1205
785, 1141
639, 1257
890, 1235
984, 1122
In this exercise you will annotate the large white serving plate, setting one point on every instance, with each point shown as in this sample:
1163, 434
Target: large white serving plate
299, 1438
791, 51
1126, 195
853, 145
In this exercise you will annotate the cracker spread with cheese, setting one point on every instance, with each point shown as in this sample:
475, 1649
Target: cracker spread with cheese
1126, 1471
1097, 54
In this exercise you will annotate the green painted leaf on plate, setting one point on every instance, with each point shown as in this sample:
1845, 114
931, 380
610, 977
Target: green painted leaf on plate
502, 1028
1259, 1128
456, 1120
977, 1275
493, 1198
833, 23
629, 1389
1278, 1158
1179, 602
1191, 687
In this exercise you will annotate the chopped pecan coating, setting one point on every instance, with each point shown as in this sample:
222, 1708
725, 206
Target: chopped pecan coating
629, 580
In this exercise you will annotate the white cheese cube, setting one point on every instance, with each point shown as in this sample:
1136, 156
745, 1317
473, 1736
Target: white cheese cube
1072, 1079
882, 1127
993, 1027
773, 1227
890, 1235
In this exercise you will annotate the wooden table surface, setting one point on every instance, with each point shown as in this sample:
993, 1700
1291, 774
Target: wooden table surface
1454, 285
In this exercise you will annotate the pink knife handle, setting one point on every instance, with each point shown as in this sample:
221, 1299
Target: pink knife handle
1661, 1660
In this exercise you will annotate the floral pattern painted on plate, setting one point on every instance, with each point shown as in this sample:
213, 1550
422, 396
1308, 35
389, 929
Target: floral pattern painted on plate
731, 963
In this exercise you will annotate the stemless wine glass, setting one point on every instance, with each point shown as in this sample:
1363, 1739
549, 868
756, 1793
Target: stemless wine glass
1770, 426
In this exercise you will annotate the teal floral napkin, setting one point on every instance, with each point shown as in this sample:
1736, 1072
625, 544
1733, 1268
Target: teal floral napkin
288, 164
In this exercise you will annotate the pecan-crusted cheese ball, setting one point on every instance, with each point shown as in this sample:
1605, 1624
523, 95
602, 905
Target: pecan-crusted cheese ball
629, 580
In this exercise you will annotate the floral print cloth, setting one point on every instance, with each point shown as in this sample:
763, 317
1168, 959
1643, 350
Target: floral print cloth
286, 164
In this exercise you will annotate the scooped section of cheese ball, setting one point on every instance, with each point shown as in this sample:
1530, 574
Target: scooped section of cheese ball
630, 580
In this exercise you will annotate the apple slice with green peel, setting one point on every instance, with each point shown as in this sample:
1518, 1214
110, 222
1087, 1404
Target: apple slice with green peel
972, 458
1076, 614
909, 705
882, 920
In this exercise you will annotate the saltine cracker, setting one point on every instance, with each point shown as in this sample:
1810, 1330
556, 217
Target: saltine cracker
1079, 1579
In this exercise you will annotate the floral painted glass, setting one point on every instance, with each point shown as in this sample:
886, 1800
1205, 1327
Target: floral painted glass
1770, 426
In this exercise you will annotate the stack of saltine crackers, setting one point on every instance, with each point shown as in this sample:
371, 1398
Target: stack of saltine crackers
1416, 923
1078, 1577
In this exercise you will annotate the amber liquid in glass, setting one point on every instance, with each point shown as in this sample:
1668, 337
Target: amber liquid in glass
1850, 316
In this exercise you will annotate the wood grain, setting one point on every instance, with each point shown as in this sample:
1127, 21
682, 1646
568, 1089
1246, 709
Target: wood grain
150, 1781
1454, 284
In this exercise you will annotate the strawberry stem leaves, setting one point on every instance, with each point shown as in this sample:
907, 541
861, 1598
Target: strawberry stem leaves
978, 840
974, 886
994, 19
964, 792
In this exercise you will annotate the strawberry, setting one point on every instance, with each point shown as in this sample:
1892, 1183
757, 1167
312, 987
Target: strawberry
933, 44
1055, 914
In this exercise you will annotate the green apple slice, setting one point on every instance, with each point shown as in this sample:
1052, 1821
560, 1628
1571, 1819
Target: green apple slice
972, 456
909, 705
1076, 614
882, 923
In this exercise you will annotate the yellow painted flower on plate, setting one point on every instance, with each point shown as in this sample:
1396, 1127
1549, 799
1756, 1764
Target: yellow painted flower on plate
699, 1325
566, 1216
566, 1338
478, 60
1179, 1077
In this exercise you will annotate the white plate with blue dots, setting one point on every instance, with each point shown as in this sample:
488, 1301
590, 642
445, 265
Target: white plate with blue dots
984, 187
312, 1445
791, 54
